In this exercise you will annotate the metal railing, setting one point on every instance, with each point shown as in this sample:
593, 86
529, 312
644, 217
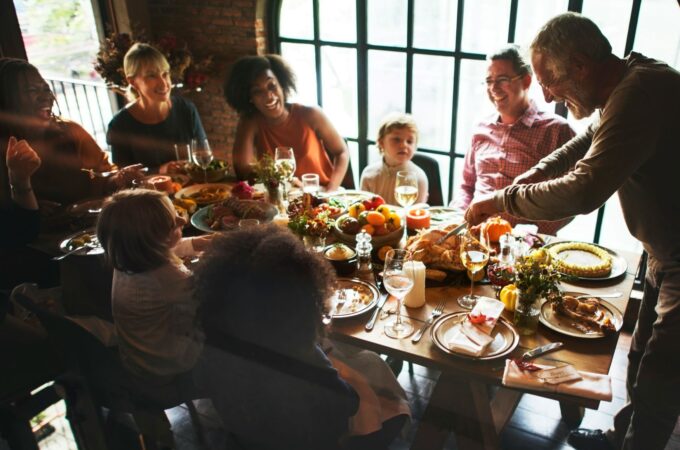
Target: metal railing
89, 103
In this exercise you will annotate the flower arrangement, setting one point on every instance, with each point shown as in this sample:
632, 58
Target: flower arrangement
307, 220
535, 278
186, 71
265, 172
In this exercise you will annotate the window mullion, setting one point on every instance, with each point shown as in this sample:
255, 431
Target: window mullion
454, 105
317, 53
408, 107
513, 20
362, 83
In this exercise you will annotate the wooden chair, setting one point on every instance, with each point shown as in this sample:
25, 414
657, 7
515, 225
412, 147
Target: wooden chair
431, 168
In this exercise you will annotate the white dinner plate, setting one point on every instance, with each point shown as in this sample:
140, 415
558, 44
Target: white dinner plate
71, 242
190, 192
505, 337
619, 264
563, 325
360, 297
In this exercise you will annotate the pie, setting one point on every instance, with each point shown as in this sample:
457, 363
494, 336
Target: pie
600, 267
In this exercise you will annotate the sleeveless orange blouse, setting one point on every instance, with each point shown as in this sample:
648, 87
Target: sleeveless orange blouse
310, 154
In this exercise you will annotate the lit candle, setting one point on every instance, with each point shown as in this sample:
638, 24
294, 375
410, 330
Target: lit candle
417, 219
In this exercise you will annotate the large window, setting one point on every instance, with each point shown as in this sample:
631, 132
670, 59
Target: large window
361, 59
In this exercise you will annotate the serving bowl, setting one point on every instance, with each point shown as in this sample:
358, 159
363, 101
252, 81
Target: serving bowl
217, 171
391, 238
342, 257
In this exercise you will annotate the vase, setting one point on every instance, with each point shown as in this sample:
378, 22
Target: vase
527, 311
314, 244
275, 198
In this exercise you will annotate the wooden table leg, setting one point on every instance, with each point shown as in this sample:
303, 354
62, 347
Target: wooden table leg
463, 404
572, 414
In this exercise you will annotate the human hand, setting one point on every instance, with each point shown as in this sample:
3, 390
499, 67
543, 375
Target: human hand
480, 210
22, 161
532, 175
171, 167
202, 243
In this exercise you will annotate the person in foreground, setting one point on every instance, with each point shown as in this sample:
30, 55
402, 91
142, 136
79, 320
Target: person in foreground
151, 300
64, 147
146, 130
262, 296
397, 142
258, 88
510, 142
634, 148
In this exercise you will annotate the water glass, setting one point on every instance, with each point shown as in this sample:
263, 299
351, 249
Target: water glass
247, 223
398, 280
310, 183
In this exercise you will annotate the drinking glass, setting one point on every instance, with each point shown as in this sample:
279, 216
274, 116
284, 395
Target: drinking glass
406, 188
474, 254
310, 183
398, 281
247, 223
182, 152
284, 161
202, 154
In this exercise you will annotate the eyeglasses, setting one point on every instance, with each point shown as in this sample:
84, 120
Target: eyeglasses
500, 81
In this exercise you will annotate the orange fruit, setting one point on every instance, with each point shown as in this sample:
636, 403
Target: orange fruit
384, 210
382, 252
368, 228
355, 209
375, 218
394, 219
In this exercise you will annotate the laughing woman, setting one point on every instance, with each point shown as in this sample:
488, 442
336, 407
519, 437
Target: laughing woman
146, 130
258, 88
64, 147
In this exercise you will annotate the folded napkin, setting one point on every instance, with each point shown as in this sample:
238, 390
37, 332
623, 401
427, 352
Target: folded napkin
591, 385
473, 337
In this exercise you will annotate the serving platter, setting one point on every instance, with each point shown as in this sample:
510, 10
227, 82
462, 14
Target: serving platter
564, 325
205, 194
348, 196
359, 297
199, 219
505, 337
87, 239
619, 264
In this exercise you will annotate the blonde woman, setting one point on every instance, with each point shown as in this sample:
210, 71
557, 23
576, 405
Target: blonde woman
146, 130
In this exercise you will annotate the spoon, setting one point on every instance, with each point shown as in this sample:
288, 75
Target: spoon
89, 245
611, 295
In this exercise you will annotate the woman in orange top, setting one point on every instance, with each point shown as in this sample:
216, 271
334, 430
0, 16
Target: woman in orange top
257, 88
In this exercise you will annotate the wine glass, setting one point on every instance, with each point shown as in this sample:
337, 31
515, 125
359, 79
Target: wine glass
474, 254
406, 188
202, 154
398, 281
284, 161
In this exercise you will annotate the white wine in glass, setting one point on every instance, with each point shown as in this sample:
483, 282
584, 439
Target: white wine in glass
474, 254
406, 188
202, 155
284, 162
398, 281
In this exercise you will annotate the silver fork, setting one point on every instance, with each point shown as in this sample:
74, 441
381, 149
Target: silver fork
438, 310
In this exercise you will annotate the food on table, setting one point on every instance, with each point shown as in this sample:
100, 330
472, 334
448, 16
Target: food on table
188, 204
496, 227
356, 297
339, 252
597, 267
355, 209
350, 225
434, 274
375, 222
374, 202
226, 215
208, 194
382, 252
587, 314
541, 256
444, 256
508, 296
83, 240
216, 171
499, 274
242, 190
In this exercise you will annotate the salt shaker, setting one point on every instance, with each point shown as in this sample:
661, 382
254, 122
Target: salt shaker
507, 244
363, 249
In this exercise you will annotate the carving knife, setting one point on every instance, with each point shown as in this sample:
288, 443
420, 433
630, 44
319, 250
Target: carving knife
381, 302
538, 351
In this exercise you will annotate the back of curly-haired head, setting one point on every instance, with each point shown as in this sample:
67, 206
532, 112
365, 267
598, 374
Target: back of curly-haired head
246, 70
568, 35
261, 285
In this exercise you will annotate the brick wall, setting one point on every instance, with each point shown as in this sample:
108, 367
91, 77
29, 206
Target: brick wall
225, 29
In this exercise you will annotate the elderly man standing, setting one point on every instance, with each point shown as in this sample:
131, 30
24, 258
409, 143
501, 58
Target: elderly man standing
512, 141
635, 149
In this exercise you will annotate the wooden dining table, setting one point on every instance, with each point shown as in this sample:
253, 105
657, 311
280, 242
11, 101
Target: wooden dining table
469, 398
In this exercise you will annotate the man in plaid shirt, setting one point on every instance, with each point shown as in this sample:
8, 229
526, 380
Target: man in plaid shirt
514, 140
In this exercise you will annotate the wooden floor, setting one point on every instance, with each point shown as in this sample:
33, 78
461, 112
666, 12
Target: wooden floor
535, 425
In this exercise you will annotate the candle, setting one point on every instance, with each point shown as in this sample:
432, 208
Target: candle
416, 297
159, 182
417, 219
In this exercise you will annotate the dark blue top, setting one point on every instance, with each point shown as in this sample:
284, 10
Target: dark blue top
152, 145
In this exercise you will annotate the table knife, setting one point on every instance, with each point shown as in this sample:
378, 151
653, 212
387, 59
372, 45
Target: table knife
538, 351
381, 302
451, 233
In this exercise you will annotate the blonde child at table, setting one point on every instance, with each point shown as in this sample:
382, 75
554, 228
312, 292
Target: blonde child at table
151, 298
397, 142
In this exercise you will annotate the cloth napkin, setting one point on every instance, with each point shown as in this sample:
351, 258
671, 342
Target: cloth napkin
591, 385
473, 339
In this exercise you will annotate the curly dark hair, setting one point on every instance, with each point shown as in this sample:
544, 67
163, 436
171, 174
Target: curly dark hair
262, 286
246, 70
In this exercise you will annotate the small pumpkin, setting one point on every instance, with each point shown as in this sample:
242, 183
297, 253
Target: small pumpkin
497, 227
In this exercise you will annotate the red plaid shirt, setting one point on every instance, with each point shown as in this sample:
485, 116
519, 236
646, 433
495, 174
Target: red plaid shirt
501, 152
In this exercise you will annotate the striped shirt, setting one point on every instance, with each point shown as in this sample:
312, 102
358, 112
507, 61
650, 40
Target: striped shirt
500, 152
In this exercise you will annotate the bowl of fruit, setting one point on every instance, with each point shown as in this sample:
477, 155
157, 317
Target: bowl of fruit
376, 218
